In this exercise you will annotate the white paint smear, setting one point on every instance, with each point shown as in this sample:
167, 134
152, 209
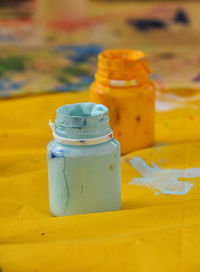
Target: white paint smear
163, 181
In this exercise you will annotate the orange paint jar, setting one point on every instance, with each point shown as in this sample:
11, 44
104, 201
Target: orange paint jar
122, 83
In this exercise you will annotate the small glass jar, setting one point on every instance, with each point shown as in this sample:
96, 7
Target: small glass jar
122, 83
83, 162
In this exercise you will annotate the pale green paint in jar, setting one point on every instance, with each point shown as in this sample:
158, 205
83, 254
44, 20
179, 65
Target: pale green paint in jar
83, 162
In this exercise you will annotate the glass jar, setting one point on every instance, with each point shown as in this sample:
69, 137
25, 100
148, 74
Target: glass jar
122, 83
83, 162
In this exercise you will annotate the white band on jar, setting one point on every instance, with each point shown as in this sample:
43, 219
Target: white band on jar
87, 141
131, 82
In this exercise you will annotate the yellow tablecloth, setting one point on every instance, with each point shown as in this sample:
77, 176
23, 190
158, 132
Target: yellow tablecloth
158, 228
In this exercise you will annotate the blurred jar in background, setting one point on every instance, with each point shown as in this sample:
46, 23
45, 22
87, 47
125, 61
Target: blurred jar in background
122, 83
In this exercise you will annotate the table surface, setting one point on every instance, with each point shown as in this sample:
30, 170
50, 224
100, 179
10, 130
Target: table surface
158, 226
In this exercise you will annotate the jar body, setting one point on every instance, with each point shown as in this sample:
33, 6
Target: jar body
84, 179
131, 111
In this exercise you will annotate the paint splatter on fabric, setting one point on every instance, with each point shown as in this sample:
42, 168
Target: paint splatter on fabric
147, 24
171, 101
163, 181
181, 17
57, 69
196, 78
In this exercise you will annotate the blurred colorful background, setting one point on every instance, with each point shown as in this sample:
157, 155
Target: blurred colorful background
51, 46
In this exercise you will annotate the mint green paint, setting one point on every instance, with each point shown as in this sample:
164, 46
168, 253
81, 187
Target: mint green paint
83, 179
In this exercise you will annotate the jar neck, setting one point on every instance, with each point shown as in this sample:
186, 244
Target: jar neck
82, 121
122, 68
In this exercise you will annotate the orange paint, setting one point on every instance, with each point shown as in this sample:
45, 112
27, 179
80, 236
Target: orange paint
122, 83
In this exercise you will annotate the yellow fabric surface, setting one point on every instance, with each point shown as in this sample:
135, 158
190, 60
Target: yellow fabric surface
154, 231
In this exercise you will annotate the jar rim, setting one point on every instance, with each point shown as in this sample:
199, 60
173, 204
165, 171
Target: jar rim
82, 119
121, 55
